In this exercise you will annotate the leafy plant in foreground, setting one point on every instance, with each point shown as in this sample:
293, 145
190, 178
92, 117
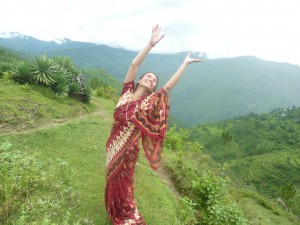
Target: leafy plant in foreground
33, 192
44, 70
22, 72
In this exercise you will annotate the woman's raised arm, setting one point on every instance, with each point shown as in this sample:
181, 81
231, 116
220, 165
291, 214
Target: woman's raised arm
137, 61
176, 76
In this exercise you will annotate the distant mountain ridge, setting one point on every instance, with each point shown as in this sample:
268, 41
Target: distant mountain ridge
211, 91
20, 42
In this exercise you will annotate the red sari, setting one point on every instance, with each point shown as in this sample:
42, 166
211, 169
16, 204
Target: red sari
146, 118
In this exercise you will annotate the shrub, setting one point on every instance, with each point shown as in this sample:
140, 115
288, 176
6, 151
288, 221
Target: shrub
106, 91
44, 70
32, 192
61, 87
219, 211
22, 72
74, 89
5, 67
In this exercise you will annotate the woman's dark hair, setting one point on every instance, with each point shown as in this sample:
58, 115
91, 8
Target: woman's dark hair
143, 76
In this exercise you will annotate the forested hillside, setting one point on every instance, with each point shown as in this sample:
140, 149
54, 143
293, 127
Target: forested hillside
259, 152
215, 90
52, 148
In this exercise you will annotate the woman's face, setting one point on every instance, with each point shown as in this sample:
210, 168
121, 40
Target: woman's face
149, 80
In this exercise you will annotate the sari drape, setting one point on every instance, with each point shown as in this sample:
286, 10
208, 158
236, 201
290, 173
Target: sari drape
145, 119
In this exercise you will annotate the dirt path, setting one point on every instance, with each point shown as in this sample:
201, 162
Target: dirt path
165, 177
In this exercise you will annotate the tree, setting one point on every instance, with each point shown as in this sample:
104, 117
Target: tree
226, 137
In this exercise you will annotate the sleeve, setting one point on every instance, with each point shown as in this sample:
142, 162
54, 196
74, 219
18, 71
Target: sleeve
151, 117
127, 86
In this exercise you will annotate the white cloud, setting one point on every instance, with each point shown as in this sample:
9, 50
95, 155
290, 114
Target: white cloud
264, 28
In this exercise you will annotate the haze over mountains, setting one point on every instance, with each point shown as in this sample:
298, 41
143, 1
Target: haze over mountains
211, 91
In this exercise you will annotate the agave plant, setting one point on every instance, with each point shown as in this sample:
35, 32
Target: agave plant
67, 64
22, 73
61, 86
74, 90
4, 67
44, 70
85, 96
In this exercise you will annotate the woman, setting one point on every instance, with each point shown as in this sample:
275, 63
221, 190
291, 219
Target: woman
140, 113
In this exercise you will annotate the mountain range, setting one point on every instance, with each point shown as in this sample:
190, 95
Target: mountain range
211, 91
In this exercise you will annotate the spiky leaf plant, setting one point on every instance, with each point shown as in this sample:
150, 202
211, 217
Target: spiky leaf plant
61, 86
85, 96
67, 64
74, 90
22, 72
44, 70
5, 67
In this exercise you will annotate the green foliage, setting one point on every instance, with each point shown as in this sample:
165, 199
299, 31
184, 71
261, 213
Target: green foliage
66, 63
31, 105
95, 83
212, 189
68, 142
59, 72
32, 191
85, 95
61, 86
226, 137
288, 193
264, 152
74, 89
193, 175
8, 55
175, 138
5, 67
22, 72
44, 70
99, 77
106, 91
186, 211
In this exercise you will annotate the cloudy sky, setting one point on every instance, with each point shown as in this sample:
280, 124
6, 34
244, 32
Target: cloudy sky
269, 29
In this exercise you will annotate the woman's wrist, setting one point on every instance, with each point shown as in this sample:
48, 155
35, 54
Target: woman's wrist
151, 43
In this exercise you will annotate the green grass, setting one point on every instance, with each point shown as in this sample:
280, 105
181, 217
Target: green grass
29, 106
81, 143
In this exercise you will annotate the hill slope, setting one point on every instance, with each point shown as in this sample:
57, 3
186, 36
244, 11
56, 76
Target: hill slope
211, 91
263, 153
74, 146
78, 145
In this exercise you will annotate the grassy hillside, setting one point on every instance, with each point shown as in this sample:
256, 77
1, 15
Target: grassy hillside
263, 153
66, 163
28, 106
61, 156
7, 55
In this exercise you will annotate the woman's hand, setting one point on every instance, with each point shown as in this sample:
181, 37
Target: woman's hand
156, 36
190, 60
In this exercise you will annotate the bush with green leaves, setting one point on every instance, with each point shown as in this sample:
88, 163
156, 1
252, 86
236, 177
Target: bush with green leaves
43, 69
219, 211
175, 138
85, 95
106, 91
61, 85
32, 192
22, 72
5, 67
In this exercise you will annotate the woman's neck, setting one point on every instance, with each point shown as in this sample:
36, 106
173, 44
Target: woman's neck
139, 92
